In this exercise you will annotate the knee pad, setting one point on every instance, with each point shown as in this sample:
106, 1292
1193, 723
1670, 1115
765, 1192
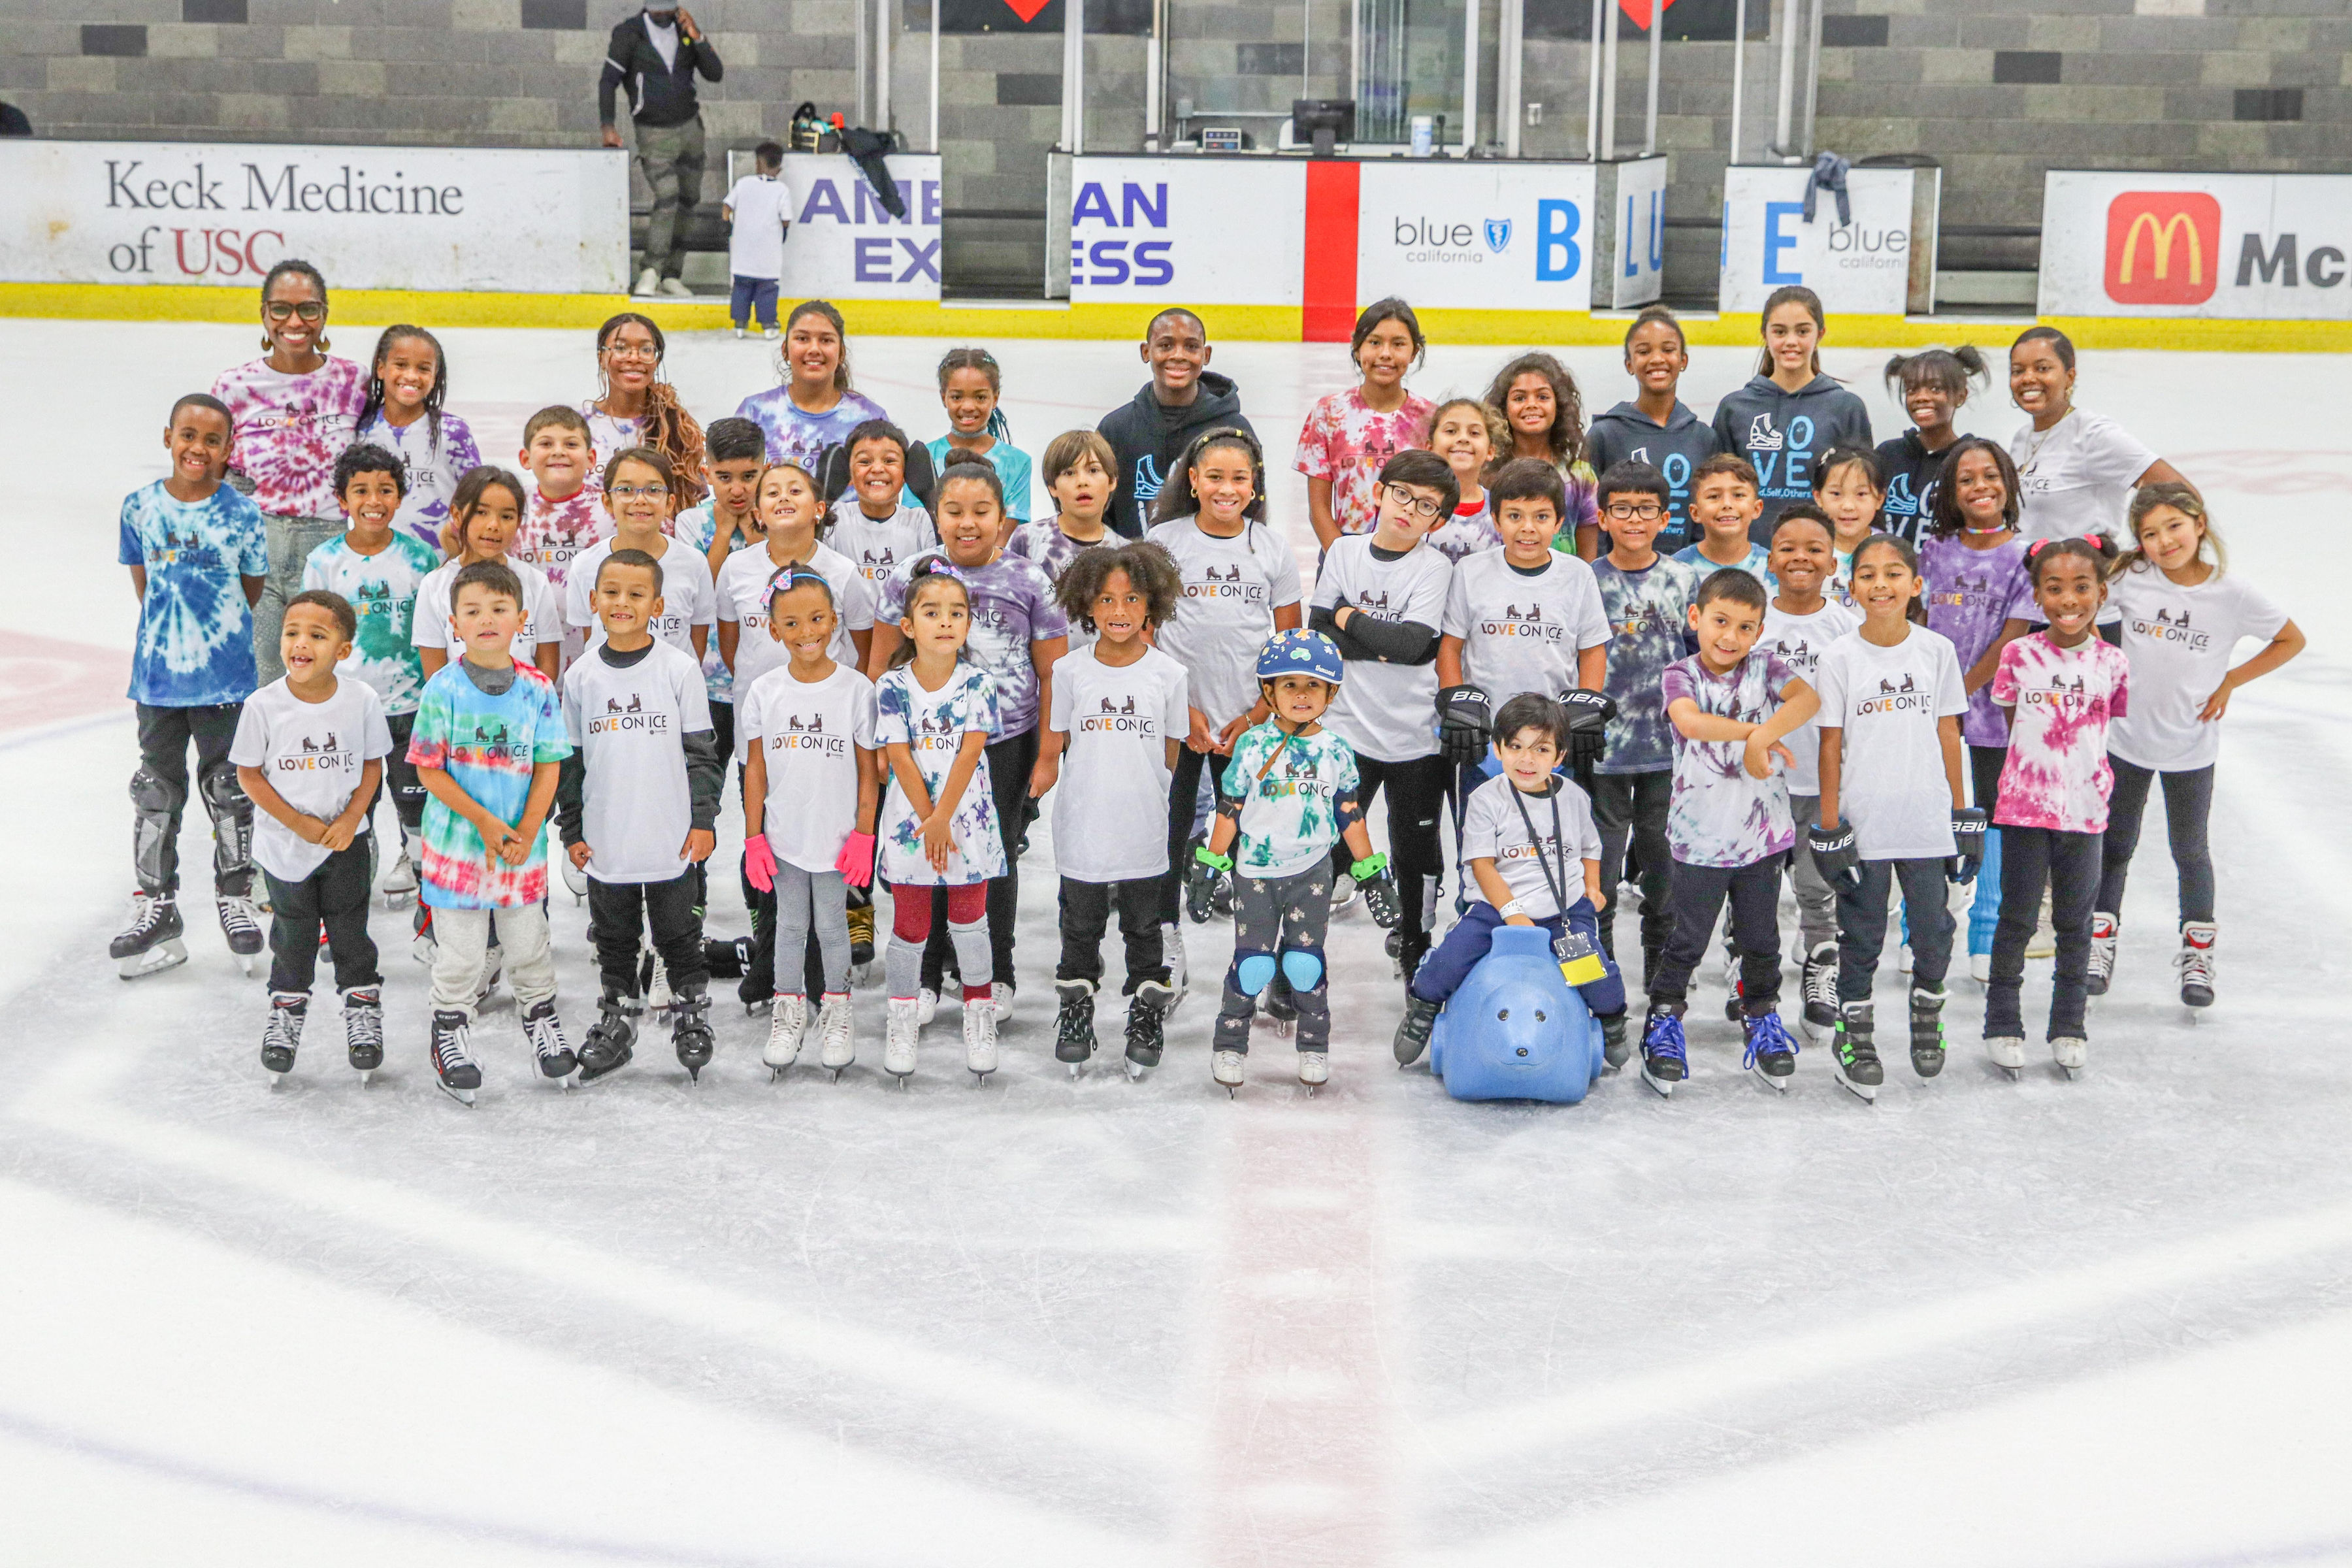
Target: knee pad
1303, 967
1252, 971
223, 794
153, 795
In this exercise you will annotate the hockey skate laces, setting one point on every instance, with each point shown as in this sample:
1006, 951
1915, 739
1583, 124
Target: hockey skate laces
1768, 1032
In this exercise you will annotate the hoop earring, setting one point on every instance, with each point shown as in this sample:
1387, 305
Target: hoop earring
325, 342
265, 345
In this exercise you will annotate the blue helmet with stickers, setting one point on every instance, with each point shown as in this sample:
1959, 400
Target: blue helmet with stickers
1301, 653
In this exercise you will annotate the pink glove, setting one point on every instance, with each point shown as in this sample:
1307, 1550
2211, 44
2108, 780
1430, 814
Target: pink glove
855, 860
760, 862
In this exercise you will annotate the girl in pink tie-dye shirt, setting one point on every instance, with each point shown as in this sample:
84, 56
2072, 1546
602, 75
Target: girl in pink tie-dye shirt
2060, 687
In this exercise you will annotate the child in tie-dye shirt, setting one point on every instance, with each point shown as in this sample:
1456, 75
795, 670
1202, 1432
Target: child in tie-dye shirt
378, 568
2060, 687
487, 741
565, 512
196, 557
1732, 705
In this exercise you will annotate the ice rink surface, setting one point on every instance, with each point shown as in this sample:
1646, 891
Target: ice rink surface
2106, 1323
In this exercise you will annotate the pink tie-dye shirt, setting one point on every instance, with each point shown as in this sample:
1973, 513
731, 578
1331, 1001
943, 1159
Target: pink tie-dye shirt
1347, 441
2061, 699
291, 429
554, 531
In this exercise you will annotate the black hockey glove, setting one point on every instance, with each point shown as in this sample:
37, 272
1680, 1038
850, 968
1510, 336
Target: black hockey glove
1465, 723
1835, 859
1588, 713
1201, 880
1967, 840
1379, 891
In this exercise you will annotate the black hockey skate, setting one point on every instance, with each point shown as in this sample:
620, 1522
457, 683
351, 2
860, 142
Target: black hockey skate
690, 1035
612, 1039
240, 923
1820, 985
1927, 1032
453, 1067
282, 1035
153, 941
363, 1031
1616, 1044
1074, 1025
556, 1058
1859, 1071
1147, 1013
1412, 1031
1771, 1052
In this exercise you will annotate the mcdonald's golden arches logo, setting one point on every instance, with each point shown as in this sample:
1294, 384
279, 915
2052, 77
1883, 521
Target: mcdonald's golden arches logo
2164, 248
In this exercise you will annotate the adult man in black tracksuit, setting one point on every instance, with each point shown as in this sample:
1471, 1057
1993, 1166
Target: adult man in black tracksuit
656, 54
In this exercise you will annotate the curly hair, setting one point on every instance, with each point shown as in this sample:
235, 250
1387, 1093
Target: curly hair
665, 425
1152, 570
1566, 436
1946, 522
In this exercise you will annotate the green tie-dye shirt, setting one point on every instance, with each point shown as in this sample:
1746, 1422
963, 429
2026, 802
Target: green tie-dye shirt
382, 589
1289, 809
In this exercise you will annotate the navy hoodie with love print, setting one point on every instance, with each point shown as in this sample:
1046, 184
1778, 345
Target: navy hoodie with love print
1784, 434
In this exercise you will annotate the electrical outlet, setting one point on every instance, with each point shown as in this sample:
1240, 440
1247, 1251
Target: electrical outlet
1534, 114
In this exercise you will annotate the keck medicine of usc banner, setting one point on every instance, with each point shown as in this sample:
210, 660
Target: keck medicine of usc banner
2248, 246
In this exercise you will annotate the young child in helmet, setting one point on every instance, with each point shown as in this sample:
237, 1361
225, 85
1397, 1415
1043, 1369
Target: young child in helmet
1287, 795
1530, 849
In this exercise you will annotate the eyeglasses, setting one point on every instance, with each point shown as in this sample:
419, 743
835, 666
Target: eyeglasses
1631, 511
634, 351
631, 492
1412, 505
311, 310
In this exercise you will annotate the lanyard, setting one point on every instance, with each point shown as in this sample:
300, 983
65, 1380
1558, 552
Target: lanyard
1559, 890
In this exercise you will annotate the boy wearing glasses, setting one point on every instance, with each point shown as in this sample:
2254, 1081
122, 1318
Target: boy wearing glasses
1724, 503
689, 596
1380, 597
1648, 598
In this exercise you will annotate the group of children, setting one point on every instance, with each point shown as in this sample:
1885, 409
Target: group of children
903, 667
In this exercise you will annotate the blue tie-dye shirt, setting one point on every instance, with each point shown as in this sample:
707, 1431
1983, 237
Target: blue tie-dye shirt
195, 629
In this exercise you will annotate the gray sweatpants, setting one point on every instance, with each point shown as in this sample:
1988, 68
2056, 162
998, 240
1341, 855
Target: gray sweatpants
461, 945
1817, 907
291, 539
803, 898
1273, 917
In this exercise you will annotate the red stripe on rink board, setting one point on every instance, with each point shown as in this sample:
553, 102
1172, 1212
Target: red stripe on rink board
1302, 1460
1328, 280
44, 680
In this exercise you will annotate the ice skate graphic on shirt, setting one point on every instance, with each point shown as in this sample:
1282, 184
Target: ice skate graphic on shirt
1761, 436
2168, 628
1148, 481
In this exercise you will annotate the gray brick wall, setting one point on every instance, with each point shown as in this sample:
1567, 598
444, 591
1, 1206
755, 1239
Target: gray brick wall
2130, 90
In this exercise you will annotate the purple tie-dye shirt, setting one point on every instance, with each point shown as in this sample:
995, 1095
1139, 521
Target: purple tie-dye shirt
290, 431
2057, 774
1719, 816
1970, 593
797, 436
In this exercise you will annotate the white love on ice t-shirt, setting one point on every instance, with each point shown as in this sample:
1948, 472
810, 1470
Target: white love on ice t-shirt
1110, 805
1386, 711
435, 626
1520, 630
1231, 589
1892, 787
1493, 830
744, 589
688, 597
2179, 641
1801, 640
312, 753
878, 549
810, 733
2074, 478
630, 724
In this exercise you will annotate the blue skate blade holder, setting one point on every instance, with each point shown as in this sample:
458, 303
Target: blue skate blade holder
1515, 1030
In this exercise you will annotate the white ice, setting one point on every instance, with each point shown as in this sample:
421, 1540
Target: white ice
2102, 1322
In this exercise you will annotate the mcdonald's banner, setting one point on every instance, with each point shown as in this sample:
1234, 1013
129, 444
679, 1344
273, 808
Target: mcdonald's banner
2227, 247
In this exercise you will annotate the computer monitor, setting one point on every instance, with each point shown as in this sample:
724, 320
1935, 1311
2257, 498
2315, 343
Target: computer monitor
1325, 121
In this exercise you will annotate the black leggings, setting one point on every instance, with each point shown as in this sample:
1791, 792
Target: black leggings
1416, 791
1183, 806
2068, 865
1985, 763
2188, 804
1010, 762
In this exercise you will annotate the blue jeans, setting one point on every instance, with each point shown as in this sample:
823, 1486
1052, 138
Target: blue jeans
1440, 974
752, 294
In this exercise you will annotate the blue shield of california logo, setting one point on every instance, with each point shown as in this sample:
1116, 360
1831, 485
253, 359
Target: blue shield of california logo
1498, 235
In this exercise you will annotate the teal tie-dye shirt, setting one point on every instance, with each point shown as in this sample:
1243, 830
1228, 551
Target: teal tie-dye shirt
382, 589
195, 629
1290, 797
487, 745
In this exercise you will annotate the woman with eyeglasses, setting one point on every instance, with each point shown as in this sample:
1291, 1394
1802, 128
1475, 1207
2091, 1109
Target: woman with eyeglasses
293, 411
638, 408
